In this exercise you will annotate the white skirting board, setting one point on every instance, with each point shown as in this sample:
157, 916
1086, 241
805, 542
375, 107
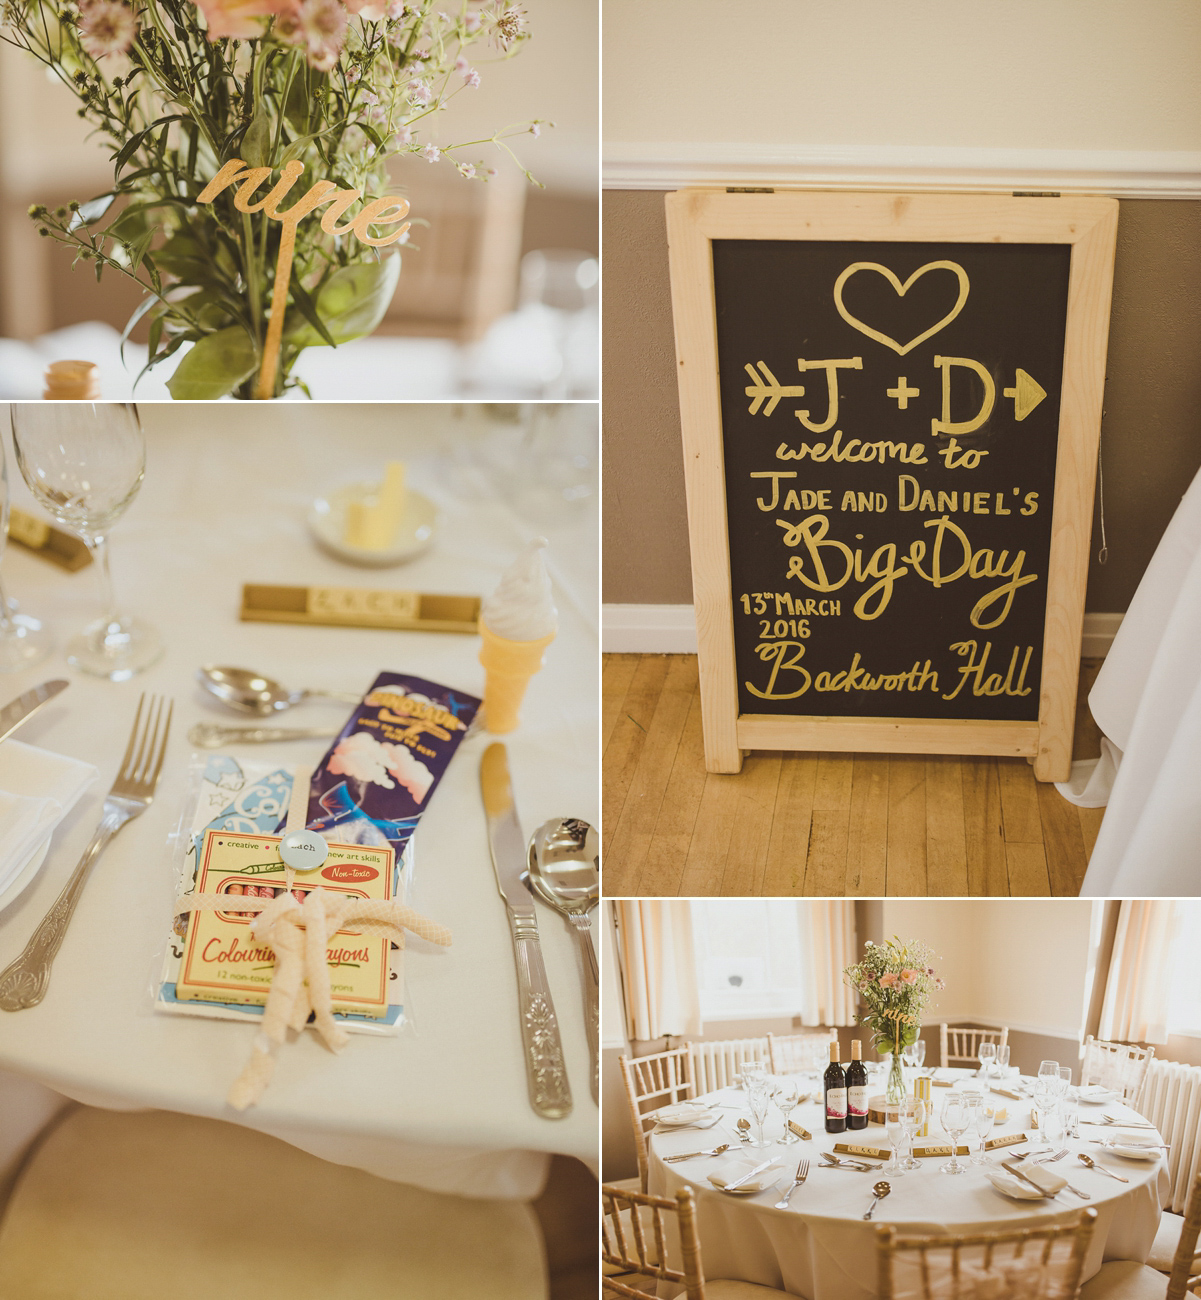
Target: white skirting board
671, 629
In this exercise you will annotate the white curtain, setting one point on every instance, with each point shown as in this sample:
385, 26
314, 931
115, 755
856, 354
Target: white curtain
1137, 986
828, 941
658, 968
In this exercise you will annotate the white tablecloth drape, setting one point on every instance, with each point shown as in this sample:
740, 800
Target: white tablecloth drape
444, 1105
821, 1248
1147, 702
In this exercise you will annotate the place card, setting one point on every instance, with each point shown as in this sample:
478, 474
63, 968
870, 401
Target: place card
410, 611
877, 1153
943, 1083
222, 962
800, 1132
939, 1151
50, 543
1009, 1140
1004, 1092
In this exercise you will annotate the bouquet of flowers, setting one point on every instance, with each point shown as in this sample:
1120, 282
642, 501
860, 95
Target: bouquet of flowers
894, 981
182, 90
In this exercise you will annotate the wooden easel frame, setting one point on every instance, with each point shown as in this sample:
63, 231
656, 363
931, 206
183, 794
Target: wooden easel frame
1089, 225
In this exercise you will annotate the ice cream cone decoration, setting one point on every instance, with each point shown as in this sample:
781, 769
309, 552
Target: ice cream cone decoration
517, 622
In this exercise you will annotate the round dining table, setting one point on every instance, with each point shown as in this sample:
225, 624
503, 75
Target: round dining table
820, 1247
226, 500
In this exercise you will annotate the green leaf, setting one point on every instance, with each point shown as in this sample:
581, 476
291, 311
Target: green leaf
308, 309
215, 366
256, 143
351, 302
91, 211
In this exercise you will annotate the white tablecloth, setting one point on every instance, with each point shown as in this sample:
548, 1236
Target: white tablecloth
820, 1247
444, 1105
1147, 702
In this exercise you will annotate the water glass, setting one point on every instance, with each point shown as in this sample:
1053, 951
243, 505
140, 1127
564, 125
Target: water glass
785, 1095
954, 1120
1002, 1059
919, 1054
758, 1097
985, 1117
23, 642
894, 1127
913, 1117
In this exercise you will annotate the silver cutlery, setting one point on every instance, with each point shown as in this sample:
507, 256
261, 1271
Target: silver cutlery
1110, 1143
564, 872
1059, 1155
1017, 1173
550, 1093
1088, 1161
692, 1155
251, 692
802, 1172
879, 1191
746, 1178
212, 735
23, 982
744, 1129
836, 1163
1124, 1123
27, 704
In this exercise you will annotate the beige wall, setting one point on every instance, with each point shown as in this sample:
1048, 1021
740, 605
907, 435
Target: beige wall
1073, 74
1151, 432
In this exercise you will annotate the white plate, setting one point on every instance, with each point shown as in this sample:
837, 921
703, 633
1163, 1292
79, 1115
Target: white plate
1010, 1185
1134, 1151
25, 874
327, 523
687, 1112
1096, 1095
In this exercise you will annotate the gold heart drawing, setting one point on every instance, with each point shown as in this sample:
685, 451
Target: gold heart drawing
901, 289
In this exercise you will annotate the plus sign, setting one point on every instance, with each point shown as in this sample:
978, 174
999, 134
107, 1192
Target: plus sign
902, 392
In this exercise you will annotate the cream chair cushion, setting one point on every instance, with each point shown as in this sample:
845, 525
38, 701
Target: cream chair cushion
725, 1289
1167, 1238
1123, 1279
121, 1206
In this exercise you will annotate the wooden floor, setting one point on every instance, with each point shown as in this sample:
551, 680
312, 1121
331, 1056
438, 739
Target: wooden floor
825, 825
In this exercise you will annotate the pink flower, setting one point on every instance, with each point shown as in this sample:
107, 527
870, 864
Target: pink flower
431, 153
318, 25
419, 93
106, 28
472, 78
372, 11
471, 23
910, 976
888, 979
403, 135
466, 170
240, 19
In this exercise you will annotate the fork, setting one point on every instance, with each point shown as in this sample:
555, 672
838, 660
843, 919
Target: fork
802, 1172
23, 982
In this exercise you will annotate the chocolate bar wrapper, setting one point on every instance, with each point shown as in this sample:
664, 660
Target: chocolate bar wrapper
379, 775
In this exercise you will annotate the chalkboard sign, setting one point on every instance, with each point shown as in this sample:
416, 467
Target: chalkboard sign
890, 411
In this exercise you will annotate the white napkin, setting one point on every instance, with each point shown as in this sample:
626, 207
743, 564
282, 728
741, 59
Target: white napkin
1014, 1186
736, 1169
37, 790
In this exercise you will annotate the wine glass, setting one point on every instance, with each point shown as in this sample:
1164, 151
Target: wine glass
894, 1127
954, 1121
1002, 1059
23, 642
758, 1099
987, 1052
919, 1053
84, 462
785, 1095
913, 1118
986, 1115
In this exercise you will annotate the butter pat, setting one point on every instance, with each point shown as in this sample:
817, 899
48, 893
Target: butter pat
371, 524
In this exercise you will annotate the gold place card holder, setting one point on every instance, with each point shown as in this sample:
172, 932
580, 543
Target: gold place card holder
802, 1133
51, 544
405, 611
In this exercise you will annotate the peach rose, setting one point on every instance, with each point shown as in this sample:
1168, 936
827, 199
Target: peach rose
909, 976
241, 19
888, 980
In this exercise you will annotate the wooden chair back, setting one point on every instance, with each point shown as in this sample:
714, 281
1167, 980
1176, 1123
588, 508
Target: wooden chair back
1018, 1262
628, 1219
1121, 1067
1183, 1279
653, 1081
791, 1053
960, 1044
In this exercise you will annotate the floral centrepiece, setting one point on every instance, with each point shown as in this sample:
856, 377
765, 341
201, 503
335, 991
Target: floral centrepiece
180, 89
894, 981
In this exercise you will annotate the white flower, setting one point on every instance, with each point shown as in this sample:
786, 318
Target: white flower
403, 135
431, 153
472, 78
106, 28
420, 93
466, 170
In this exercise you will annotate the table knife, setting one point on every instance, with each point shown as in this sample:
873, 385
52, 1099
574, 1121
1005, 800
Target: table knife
550, 1094
746, 1178
12, 715
1017, 1173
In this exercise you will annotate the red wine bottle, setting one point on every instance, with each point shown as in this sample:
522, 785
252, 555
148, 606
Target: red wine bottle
836, 1094
856, 1088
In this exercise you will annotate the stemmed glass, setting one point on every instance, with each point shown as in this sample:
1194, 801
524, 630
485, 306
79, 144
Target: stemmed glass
1046, 1093
919, 1053
22, 640
954, 1120
786, 1095
987, 1053
985, 1117
1002, 1060
894, 1127
84, 462
913, 1117
759, 1100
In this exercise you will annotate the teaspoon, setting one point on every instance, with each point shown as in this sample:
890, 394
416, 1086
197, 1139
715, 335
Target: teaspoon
879, 1191
251, 692
1092, 1164
563, 871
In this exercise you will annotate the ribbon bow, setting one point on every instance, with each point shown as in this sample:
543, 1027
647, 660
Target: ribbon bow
299, 933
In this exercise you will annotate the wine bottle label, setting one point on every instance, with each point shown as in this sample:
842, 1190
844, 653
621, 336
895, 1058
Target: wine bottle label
836, 1103
857, 1100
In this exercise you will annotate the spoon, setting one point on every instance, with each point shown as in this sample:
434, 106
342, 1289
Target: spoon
1092, 1164
250, 692
744, 1129
880, 1191
691, 1155
564, 872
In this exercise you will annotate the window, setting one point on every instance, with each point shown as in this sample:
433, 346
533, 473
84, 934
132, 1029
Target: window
1184, 976
749, 962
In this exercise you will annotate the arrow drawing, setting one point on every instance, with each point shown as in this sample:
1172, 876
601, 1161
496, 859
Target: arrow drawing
770, 388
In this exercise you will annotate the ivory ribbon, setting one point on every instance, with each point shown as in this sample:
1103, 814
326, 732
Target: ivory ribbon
299, 934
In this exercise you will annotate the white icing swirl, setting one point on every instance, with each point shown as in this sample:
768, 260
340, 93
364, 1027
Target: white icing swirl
521, 608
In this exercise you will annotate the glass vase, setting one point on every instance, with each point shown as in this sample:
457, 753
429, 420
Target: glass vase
895, 1090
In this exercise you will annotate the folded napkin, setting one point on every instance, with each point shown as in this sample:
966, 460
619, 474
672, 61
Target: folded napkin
736, 1169
1012, 1185
37, 790
683, 1112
